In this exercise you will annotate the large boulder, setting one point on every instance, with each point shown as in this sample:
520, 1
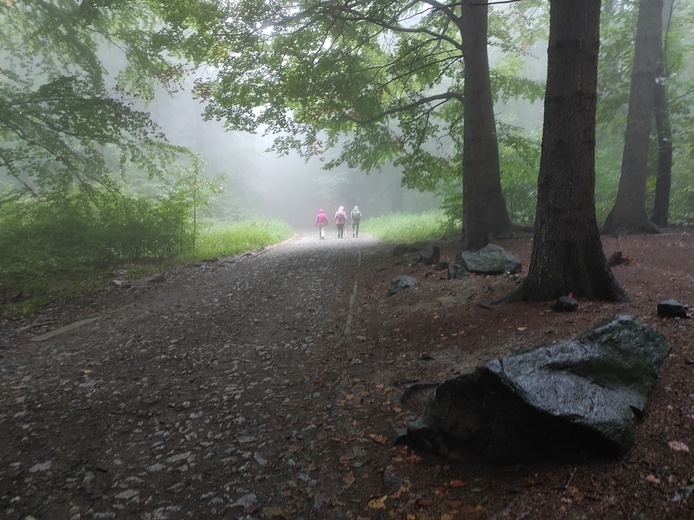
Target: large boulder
564, 399
491, 259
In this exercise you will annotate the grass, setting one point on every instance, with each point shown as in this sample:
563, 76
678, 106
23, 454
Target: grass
232, 238
27, 286
407, 228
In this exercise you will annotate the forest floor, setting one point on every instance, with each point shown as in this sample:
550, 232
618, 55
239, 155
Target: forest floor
270, 385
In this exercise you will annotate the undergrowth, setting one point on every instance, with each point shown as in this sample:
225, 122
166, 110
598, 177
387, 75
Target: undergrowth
407, 228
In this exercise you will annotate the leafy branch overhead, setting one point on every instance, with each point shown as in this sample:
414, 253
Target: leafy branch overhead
72, 75
379, 74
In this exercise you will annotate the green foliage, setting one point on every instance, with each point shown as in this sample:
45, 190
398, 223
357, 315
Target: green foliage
230, 238
407, 228
386, 76
44, 240
61, 126
519, 155
680, 84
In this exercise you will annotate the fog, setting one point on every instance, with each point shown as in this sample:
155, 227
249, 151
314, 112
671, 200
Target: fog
259, 184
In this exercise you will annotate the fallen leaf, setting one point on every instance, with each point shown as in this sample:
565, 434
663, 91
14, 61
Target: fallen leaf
349, 479
678, 446
273, 513
378, 502
378, 438
653, 479
346, 459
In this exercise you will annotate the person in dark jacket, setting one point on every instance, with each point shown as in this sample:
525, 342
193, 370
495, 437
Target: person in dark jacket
356, 219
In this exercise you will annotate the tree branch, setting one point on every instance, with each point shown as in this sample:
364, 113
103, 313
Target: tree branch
446, 96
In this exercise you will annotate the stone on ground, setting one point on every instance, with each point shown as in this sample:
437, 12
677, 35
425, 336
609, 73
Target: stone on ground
491, 259
561, 400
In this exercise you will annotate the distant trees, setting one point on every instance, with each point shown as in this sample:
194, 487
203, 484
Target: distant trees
567, 255
408, 82
629, 211
63, 121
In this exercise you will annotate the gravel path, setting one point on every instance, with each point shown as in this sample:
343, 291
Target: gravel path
272, 386
199, 398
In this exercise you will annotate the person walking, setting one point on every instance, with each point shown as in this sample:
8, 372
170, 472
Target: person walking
321, 222
356, 219
340, 220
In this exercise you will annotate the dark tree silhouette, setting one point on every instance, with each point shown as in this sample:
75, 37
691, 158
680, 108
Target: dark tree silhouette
567, 255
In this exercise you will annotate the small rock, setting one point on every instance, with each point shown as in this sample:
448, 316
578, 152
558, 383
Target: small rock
429, 255
565, 304
400, 283
43, 466
456, 271
672, 309
491, 259
392, 481
245, 501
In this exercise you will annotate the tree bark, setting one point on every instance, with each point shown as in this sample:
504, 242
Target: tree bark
567, 256
629, 212
484, 209
661, 203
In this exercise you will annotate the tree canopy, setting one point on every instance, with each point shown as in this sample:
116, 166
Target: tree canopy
384, 80
67, 117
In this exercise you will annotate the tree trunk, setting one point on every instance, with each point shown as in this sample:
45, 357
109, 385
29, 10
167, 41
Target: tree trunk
629, 212
567, 256
484, 208
661, 204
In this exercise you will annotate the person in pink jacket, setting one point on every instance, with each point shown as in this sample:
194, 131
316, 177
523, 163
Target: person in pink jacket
340, 220
321, 222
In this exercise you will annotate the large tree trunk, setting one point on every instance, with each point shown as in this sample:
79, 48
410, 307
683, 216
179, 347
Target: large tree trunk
484, 209
661, 203
629, 212
567, 255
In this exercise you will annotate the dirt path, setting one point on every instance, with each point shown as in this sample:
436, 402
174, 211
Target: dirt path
203, 396
269, 386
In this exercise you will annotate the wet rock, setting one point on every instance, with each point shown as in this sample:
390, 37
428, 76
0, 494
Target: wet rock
456, 271
429, 255
491, 259
671, 309
391, 481
565, 304
401, 283
555, 401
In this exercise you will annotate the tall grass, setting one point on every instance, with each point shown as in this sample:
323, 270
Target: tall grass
407, 228
40, 264
231, 238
